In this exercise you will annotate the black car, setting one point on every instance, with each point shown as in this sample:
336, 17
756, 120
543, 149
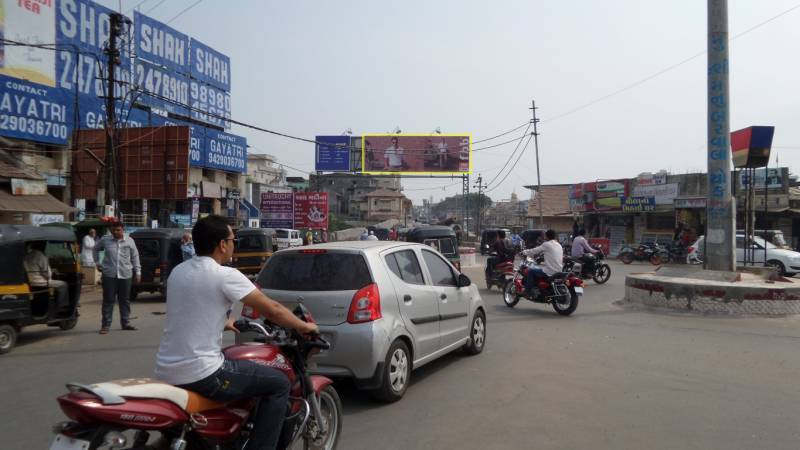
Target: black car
159, 253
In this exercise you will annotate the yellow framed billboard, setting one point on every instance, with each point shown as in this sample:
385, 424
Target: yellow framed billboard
416, 154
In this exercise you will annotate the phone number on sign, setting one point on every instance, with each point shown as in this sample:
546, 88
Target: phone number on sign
33, 126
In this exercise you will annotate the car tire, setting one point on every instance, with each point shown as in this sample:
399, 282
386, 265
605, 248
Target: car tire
778, 266
477, 334
396, 373
68, 324
8, 338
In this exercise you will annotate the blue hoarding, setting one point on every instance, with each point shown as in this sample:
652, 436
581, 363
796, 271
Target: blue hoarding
225, 151
35, 111
209, 104
161, 44
169, 89
333, 154
210, 66
92, 114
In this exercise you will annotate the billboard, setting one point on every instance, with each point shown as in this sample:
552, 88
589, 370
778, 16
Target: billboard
161, 44
277, 210
332, 154
423, 154
22, 23
170, 88
311, 210
209, 103
34, 111
210, 66
225, 151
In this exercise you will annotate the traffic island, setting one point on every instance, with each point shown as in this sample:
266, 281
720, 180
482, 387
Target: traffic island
744, 292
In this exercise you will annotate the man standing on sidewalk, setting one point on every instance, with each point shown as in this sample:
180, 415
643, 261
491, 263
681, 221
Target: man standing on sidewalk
120, 264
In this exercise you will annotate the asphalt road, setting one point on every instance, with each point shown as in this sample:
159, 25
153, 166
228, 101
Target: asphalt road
605, 378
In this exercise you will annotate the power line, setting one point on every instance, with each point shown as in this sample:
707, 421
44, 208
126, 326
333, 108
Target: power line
510, 156
500, 144
512, 167
501, 134
182, 12
154, 7
137, 5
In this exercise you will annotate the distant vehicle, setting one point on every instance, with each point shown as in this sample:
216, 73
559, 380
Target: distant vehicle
159, 253
385, 307
253, 248
286, 238
440, 237
488, 236
775, 237
532, 238
785, 262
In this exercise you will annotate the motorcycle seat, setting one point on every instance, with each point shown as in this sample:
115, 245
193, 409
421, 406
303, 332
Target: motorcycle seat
189, 401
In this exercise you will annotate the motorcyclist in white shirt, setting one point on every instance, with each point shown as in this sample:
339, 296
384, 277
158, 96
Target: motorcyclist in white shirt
553, 261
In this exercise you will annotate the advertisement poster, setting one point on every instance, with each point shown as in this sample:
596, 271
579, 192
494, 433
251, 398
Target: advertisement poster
31, 23
210, 66
209, 104
34, 111
277, 210
333, 154
161, 44
664, 194
225, 151
772, 177
311, 210
416, 154
169, 89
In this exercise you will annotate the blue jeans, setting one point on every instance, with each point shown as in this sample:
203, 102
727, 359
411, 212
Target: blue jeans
534, 273
238, 379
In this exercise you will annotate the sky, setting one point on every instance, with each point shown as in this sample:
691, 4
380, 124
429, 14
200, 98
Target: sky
617, 88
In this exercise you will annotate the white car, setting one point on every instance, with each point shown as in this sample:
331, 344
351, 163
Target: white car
787, 262
287, 238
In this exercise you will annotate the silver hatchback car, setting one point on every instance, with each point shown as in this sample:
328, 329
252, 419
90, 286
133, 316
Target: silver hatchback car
385, 307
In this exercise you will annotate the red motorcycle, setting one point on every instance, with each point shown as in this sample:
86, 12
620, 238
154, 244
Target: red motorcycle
561, 290
503, 271
146, 414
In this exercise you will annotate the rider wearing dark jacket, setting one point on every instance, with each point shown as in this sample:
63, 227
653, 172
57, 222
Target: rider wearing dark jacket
502, 252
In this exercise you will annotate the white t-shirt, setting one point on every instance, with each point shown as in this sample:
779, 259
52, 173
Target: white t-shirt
200, 295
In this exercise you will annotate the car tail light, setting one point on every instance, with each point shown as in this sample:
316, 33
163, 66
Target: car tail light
314, 250
366, 305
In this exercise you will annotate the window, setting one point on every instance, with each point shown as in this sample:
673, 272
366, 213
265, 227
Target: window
440, 270
252, 243
315, 272
404, 264
283, 234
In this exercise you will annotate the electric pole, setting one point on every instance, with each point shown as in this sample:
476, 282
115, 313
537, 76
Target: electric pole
535, 121
112, 54
479, 207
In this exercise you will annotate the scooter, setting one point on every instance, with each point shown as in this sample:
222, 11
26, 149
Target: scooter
561, 290
146, 414
598, 271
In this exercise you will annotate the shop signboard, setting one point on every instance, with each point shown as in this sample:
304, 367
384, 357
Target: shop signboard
608, 195
277, 210
423, 154
772, 177
638, 204
648, 178
690, 203
332, 154
24, 186
664, 194
311, 210
225, 151
42, 219
184, 220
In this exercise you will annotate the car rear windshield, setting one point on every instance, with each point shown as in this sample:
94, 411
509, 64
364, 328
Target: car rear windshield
252, 243
315, 272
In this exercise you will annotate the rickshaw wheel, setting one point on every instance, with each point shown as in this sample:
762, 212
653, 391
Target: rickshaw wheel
8, 338
68, 324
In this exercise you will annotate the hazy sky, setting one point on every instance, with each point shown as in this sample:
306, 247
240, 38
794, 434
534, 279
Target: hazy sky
319, 67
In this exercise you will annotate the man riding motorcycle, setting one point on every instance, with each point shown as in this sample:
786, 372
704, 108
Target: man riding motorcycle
584, 252
200, 295
553, 261
501, 253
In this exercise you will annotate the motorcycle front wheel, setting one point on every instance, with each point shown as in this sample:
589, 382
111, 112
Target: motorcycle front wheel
510, 297
313, 438
602, 273
626, 258
655, 260
568, 305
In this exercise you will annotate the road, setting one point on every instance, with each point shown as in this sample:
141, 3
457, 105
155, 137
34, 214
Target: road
605, 378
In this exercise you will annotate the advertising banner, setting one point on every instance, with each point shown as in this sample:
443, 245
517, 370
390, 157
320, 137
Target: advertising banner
34, 111
311, 210
333, 154
209, 104
170, 89
210, 66
638, 204
161, 44
772, 177
664, 194
93, 114
277, 210
225, 151
31, 23
416, 154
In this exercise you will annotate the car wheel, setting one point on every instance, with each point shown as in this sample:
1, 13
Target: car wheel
68, 324
778, 266
477, 334
397, 373
8, 338
510, 297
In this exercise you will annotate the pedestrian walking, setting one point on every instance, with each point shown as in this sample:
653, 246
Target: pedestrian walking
120, 265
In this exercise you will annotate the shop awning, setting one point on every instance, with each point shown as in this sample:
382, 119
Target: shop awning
32, 203
252, 211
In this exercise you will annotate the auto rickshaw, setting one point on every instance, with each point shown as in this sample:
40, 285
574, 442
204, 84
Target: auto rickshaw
253, 248
440, 237
159, 253
21, 304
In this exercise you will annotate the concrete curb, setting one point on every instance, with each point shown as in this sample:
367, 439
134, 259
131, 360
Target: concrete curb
747, 297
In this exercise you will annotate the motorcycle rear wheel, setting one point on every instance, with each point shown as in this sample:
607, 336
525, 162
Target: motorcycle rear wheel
626, 258
602, 273
510, 297
565, 309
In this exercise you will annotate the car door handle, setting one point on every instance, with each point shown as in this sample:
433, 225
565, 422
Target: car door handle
406, 298
443, 296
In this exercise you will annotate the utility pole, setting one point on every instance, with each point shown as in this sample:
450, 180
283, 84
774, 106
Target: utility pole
112, 53
720, 211
535, 121
478, 219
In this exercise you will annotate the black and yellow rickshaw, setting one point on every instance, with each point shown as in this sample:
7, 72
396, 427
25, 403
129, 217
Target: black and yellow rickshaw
253, 248
440, 237
22, 304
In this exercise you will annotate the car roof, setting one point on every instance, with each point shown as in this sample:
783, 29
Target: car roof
431, 231
366, 246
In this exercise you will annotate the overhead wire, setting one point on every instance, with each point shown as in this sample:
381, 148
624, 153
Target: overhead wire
184, 11
501, 134
511, 169
510, 156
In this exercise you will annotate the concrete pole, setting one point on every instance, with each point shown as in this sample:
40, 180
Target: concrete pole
720, 211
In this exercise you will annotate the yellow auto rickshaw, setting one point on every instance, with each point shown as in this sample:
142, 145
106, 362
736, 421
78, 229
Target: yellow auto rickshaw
48, 296
253, 249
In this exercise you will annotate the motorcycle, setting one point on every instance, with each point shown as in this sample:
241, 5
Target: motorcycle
598, 271
503, 271
562, 290
643, 252
116, 414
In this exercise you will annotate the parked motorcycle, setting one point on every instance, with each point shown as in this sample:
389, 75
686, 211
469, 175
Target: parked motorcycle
561, 290
598, 270
130, 413
502, 272
643, 252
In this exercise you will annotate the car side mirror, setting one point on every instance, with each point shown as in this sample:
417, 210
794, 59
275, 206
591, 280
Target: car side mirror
463, 280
